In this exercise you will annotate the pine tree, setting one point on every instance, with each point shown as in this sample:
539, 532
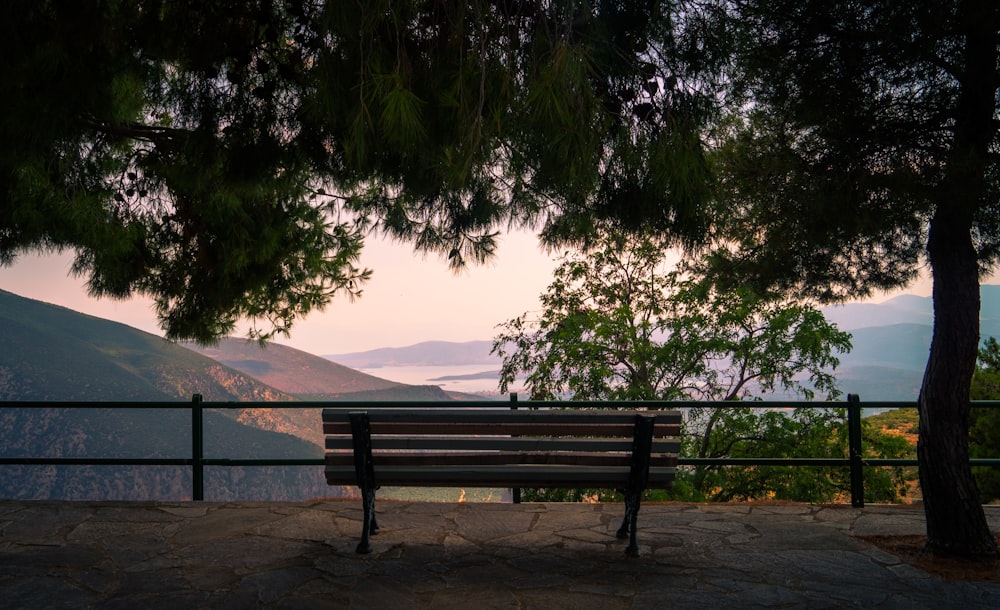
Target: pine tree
871, 145
229, 158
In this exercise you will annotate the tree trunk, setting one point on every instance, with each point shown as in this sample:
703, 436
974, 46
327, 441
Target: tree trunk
956, 523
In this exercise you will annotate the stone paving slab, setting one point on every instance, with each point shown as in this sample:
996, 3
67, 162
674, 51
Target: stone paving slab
301, 555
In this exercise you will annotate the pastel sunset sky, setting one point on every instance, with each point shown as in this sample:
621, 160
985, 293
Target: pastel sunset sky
411, 297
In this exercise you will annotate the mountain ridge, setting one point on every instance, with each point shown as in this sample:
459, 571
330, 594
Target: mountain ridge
53, 354
909, 308
891, 343
424, 353
291, 370
114, 361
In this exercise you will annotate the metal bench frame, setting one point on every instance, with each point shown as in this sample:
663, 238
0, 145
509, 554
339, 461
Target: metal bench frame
553, 448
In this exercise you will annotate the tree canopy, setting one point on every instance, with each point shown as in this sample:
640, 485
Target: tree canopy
229, 158
866, 117
616, 324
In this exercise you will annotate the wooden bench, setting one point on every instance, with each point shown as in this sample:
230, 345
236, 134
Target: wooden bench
501, 448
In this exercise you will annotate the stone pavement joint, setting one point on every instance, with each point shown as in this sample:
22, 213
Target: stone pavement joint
429, 555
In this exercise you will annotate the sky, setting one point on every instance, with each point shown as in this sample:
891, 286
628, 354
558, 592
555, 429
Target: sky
411, 297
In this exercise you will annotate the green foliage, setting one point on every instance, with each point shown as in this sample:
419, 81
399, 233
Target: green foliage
902, 420
886, 484
984, 423
228, 159
802, 433
744, 433
830, 177
986, 381
615, 325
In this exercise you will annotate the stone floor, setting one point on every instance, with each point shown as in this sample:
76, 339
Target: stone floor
462, 555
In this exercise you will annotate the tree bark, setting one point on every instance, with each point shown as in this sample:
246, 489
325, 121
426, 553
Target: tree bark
956, 523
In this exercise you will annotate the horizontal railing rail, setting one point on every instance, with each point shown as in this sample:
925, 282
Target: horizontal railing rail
855, 460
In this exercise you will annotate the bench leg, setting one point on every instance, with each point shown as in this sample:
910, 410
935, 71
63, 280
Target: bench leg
369, 526
628, 528
622, 532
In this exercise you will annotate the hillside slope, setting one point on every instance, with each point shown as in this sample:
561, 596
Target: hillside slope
427, 353
53, 353
308, 378
50, 353
291, 370
147, 433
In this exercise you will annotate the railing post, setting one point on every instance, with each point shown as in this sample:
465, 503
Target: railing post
856, 455
515, 492
197, 450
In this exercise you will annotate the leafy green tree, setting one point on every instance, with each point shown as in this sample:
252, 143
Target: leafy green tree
869, 147
984, 424
803, 433
228, 158
616, 325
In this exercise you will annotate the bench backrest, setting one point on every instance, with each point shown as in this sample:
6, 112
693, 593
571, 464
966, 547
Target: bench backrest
500, 447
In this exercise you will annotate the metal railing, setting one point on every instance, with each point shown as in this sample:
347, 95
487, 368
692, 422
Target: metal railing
855, 461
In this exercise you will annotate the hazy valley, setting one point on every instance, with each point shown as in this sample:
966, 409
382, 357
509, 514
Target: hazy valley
52, 354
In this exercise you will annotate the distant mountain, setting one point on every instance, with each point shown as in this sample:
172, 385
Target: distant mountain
50, 353
428, 353
911, 309
902, 346
880, 382
406, 393
904, 309
892, 342
308, 378
53, 353
291, 370
489, 375
989, 313
875, 343
890, 347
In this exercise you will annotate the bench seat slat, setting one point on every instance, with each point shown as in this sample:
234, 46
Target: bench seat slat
480, 458
485, 428
524, 475
501, 415
500, 443
502, 411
